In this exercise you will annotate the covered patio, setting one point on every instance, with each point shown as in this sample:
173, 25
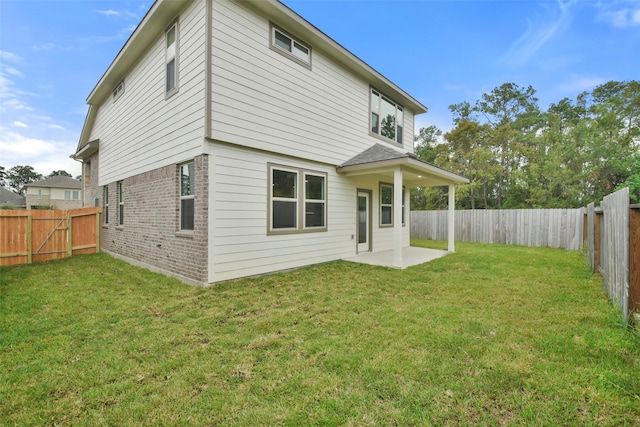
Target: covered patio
410, 256
403, 170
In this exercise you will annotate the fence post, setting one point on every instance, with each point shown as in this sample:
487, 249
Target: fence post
598, 241
69, 236
98, 236
634, 259
29, 238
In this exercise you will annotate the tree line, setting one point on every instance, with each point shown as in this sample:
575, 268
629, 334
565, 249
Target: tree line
519, 156
17, 177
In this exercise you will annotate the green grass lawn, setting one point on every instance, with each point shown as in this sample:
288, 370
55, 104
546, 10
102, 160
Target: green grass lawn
489, 335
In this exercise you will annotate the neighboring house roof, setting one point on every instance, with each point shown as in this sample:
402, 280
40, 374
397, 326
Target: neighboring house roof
8, 197
382, 159
162, 12
58, 181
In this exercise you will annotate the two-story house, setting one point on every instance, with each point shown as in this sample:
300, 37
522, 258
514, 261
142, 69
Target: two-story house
57, 192
231, 138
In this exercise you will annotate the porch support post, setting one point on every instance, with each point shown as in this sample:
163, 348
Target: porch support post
451, 218
397, 218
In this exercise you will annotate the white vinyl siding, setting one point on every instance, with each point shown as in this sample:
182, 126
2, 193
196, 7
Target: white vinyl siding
143, 131
238, 217
264, 101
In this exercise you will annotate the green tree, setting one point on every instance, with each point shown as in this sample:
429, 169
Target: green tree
59, 173
19, 176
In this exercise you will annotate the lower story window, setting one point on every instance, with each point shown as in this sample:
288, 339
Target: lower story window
297, 200
120, 203
386, 205
187, 196
105, 204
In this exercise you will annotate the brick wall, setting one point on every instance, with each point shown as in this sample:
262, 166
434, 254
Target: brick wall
56, 203
150, 233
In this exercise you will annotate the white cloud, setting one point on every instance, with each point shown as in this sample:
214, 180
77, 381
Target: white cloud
620, 14
15, 104
12, 71
44, 47
577, 84
20, 124
10, 57
57, 127
108, 12
45, 156
540, 30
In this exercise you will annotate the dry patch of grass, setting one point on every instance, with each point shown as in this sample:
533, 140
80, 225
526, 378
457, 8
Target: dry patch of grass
490, 335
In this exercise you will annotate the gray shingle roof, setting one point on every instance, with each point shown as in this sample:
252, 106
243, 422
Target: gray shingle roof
57, 182
376, 153
8, 197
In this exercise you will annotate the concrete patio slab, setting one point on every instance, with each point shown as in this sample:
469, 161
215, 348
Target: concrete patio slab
410, 256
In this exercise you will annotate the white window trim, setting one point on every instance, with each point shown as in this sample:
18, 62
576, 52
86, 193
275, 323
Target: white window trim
67, 194
300, 200
398, 108
172, 54
294, 40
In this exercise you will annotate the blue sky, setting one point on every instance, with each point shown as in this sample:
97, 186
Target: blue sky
442, 52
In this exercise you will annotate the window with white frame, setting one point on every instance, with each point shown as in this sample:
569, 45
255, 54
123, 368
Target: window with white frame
290, 46
39, 193
118, 90
105, 204
120, 187
297, 200
387, 117
386, 205
76, 195
187, 196
171, 59
67, 194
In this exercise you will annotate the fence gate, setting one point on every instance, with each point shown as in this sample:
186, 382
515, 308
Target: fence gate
41, 235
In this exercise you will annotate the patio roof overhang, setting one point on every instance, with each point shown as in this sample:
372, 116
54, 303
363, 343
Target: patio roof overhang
383, 161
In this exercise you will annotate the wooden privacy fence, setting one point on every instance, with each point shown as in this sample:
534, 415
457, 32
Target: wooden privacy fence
558, 228
612, 238
28, 236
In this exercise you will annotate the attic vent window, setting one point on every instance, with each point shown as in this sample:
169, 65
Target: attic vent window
284, 43
118, 90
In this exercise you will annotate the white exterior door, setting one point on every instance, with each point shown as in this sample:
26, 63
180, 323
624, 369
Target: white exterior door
364, 223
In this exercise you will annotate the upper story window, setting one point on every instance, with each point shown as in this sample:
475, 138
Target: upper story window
289, 46
118, 90
387, 117
171, 59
